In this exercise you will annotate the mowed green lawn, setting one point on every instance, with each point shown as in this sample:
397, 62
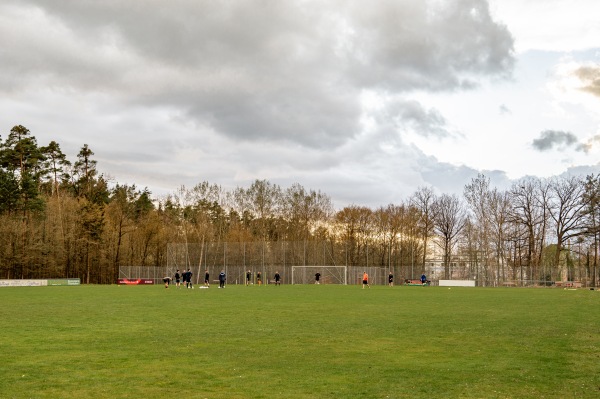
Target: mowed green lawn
298, 342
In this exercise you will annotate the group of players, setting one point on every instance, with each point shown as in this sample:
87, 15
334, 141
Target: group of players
186, 277
276, 278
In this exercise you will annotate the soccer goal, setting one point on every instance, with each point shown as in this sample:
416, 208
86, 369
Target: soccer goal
327, 274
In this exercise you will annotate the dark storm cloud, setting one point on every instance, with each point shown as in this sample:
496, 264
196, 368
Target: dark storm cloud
403, 45
550, 139
262, 71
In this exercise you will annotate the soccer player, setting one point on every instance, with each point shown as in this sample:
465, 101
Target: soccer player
391, 279
177, 279
317, 277
248, 277
365, 280
189, 279
206, 278
222, 279
184, 278
423, 278
258, 278
167, 281
277, 278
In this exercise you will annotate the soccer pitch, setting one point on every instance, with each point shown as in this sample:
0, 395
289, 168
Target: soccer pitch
301, 341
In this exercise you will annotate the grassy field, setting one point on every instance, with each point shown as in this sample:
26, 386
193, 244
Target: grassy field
298, 342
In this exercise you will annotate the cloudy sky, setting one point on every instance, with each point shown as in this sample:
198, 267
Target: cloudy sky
364, 101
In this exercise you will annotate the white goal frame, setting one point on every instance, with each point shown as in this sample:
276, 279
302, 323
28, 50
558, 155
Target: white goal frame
329, 274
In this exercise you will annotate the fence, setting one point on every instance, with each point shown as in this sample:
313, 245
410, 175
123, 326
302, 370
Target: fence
236, 274
267, 258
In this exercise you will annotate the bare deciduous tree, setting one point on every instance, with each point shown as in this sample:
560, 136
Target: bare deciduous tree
450, 219
423, 200
566, 207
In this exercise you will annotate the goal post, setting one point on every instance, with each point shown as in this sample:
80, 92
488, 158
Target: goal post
328, 274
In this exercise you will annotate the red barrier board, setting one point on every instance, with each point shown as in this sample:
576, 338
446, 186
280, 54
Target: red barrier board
139, 281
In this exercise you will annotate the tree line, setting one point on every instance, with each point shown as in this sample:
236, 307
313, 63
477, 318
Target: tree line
63, 218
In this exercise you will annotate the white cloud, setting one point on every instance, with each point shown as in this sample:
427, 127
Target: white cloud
550, 25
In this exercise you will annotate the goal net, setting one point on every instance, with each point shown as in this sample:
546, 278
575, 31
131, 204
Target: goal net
328, 274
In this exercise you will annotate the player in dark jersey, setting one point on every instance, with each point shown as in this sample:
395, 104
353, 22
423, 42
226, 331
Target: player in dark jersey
277, 278
177, 279
222, 279
206, 278
248, 277
189, 279
391, 279
317, 277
